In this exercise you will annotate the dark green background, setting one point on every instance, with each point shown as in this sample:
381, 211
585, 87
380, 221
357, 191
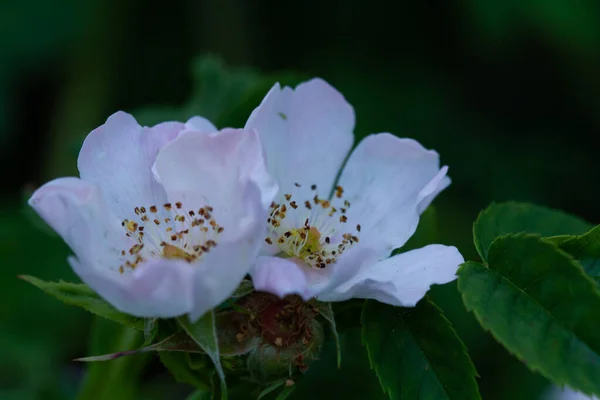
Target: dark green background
508, 92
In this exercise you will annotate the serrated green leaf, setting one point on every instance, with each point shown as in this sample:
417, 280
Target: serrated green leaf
416, 352
537, 301
80, 295
503, 218
326, 312
204, 333
584, 248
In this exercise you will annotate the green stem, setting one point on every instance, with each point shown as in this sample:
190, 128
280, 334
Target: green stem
116, 379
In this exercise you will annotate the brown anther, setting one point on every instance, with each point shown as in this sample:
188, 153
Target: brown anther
220, 230
347, 203
306, 222
153, 209
287, 196
287, 234
167, 206
307, 204
178, 205
143, 210
141, 229
339, 191
313, 187
144, 218
121, 270
136, 210
122, 252
157, 222
343, 218
325, 203
283, 210
296, 184
179, 218
209, 209
268, 240
327, 240
358, 227
174, 238
281, 240
191, 213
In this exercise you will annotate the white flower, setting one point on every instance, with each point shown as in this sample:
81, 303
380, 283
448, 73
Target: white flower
164, 221
334, 242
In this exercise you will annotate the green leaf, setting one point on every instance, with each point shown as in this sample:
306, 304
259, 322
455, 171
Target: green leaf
416, 352
584, 248
204, 333
200, 395
537, 301
178, 342
285, 393
179, 365
324, 381
504, 218
150, 330
326, 312
272, 387
80, 295
246, 287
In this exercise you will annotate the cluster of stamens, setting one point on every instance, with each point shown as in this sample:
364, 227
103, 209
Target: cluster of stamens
308, 229
170, 232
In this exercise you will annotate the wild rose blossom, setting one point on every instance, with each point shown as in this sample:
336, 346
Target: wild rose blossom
164, 221
330, 241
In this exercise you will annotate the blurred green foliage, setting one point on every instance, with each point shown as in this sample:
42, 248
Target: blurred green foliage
508, 92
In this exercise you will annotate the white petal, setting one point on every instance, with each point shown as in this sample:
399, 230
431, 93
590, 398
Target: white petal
214, 169
388, 182
279, 276
158, 288
118, 156
200, 124
220, 272
78, 212
401, 280
306, 134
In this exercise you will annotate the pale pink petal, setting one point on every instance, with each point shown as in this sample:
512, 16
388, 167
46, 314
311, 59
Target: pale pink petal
401, 280
279, 276
214, 169
220, 272
200, 124
306, 134
158, 288
118, 156
78, 212
433, 188
388, 181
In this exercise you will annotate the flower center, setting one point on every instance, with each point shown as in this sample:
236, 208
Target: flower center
169, 232
311, 229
